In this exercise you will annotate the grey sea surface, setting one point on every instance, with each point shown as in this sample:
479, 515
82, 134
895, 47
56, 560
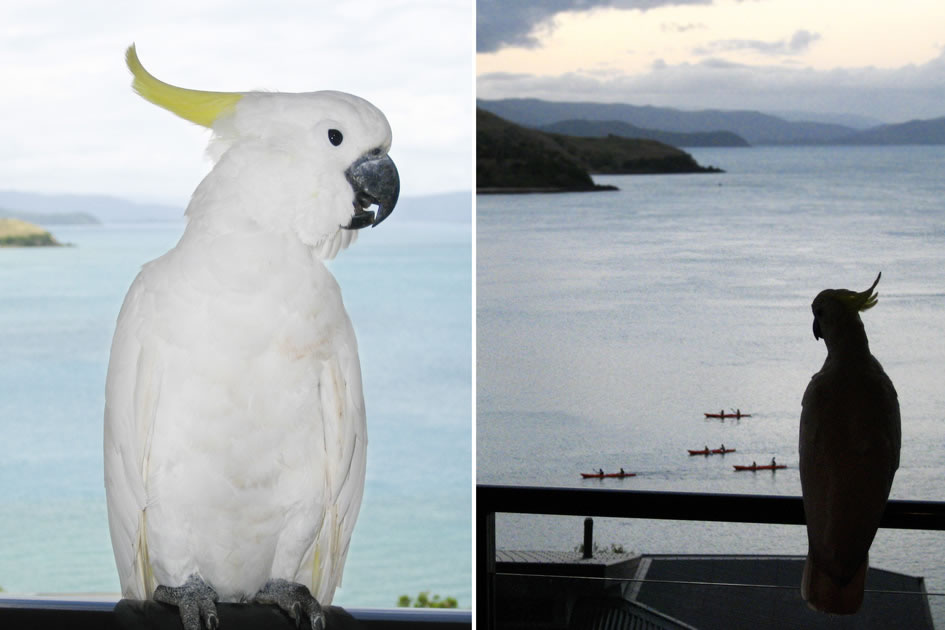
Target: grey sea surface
609, 323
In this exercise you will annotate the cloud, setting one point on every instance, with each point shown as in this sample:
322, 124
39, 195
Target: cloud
797, 44
516, 23
891, 95
675, 27
801, 40
71, 123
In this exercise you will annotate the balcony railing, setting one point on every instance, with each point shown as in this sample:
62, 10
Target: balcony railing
683, 506
48, 613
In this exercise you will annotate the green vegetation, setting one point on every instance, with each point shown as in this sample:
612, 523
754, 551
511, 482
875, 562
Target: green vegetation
511, 158
17, 233
615, 155
425, 601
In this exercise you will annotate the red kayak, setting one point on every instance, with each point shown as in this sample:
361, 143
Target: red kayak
714, 451
727, 415
600, 476
763, 467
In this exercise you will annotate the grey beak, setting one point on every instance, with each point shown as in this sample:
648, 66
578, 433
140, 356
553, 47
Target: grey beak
375, 182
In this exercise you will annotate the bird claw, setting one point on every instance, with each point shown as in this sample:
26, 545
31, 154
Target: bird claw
295, 599
195, 602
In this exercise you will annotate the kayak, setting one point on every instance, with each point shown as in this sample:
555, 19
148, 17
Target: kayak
714, 451
600, 476
763, 467
727, 415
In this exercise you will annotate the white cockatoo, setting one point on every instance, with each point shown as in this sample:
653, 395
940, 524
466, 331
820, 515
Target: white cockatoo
234, 418
849, 453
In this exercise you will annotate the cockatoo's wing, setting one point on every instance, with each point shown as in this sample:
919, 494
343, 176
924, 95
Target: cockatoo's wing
342, 406
849, 453
131, 394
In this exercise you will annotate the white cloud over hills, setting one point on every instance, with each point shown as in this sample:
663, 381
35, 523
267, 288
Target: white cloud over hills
891, 95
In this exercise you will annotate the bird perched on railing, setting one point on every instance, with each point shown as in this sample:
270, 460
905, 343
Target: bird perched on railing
849, 453
235, 433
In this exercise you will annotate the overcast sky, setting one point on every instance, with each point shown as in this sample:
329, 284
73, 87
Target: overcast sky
873, 58
70, 123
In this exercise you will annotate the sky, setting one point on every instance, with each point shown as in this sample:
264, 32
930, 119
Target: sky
70, 123
877, 59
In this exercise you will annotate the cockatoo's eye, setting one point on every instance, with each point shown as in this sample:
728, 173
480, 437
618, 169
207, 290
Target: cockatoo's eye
335, 137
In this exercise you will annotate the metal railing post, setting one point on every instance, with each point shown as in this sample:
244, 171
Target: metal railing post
485, 596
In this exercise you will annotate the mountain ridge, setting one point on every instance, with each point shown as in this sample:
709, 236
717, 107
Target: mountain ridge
930, 131
66, 208
755, 127
604, 128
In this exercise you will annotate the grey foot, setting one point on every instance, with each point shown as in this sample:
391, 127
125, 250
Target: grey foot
194, 601
295, 599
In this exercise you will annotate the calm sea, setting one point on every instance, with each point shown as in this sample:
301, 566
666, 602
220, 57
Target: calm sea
407, 289
607, 323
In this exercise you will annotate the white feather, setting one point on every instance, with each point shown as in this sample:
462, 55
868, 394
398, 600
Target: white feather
235, 433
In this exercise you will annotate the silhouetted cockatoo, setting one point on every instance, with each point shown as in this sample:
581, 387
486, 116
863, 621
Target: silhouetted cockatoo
849, 453
234, 418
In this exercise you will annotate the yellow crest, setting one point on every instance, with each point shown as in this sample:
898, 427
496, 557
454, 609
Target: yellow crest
196, 106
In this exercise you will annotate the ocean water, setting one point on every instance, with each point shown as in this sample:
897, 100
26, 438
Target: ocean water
407, 288
607, 323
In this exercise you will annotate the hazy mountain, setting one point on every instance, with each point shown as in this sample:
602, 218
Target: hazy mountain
912, 132
846, 120
46, 218
105, 209
601, 129
754, 127
58, 209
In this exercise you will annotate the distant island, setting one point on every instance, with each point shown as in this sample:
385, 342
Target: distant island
511, 158
17, 233
51, 218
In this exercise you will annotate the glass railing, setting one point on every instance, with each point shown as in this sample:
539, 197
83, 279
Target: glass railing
621, 585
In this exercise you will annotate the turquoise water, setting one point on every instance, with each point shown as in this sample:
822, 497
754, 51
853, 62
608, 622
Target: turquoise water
607, 323
407, 288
